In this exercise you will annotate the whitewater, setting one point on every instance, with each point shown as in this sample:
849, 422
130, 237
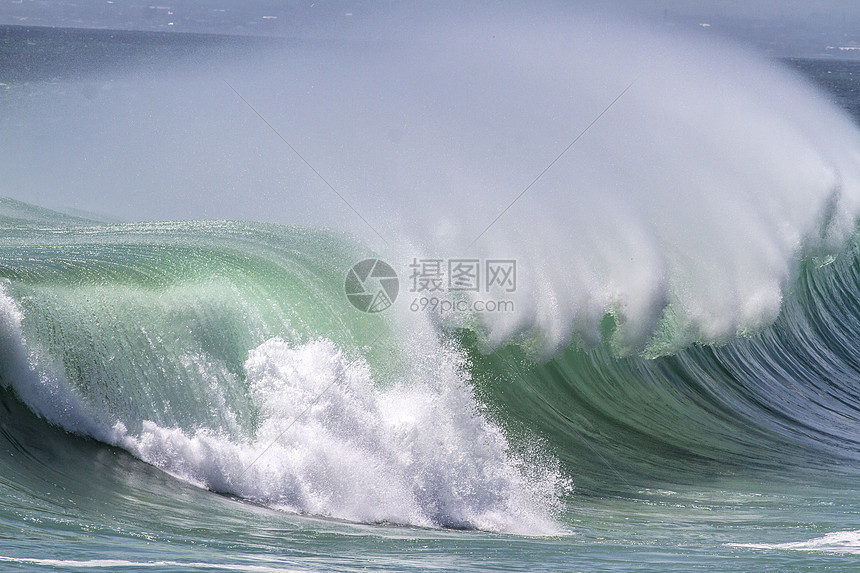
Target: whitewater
673, 386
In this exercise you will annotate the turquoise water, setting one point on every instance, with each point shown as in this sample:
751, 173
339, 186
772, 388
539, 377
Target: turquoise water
201, 395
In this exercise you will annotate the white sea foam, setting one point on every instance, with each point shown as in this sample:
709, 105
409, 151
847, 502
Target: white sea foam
834, 542
330, 443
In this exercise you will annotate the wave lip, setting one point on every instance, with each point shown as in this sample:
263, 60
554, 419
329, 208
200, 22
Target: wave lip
682, 212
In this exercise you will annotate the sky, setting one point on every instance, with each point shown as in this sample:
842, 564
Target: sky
778, 27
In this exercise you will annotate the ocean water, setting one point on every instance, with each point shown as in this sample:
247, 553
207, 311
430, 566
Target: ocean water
671, 383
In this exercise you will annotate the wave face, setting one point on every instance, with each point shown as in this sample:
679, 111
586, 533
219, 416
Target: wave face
228, 355
783, 398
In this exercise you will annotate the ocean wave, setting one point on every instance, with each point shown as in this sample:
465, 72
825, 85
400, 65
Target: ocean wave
173, 343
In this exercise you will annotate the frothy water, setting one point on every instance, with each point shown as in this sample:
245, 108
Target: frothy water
330, 444
834, 542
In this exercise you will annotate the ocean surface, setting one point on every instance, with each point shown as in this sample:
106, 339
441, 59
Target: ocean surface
186, 386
